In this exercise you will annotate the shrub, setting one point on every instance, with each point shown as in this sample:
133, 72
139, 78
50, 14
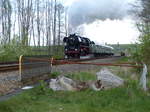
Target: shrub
41, 89
54, 74
12, 50
145, 48
141, 54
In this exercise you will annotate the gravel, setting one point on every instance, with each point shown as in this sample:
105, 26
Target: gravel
68, 68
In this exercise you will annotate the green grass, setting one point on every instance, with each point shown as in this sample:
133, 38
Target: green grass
54, 74
82, 76
128, 98
123, 59
123, 47
124, 99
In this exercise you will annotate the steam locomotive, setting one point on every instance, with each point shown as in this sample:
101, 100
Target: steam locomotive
76, 46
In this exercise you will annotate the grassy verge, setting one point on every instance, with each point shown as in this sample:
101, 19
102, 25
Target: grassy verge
128, 98
82, 76
12, 52
125, 99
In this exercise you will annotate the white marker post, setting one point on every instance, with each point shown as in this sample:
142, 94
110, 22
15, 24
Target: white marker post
143, 78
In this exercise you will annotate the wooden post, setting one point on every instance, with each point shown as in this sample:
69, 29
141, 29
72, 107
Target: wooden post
20, 66
52, 62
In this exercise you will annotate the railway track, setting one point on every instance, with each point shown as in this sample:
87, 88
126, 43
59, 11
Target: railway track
12, 66
9, 67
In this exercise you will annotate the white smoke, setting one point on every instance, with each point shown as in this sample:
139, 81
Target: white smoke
88, 11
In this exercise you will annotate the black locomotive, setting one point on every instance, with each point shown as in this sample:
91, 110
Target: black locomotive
76, 46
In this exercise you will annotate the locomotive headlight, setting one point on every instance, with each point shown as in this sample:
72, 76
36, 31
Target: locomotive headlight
76, 49
66, 49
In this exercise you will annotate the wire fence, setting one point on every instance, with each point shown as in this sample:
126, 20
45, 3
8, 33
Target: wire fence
34, 66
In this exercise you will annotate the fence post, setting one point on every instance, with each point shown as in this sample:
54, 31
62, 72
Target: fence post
143, 78
51, 62
20, 66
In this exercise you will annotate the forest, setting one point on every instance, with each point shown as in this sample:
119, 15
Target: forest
35, 23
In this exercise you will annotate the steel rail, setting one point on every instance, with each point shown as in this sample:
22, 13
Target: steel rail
98, 64
40, 62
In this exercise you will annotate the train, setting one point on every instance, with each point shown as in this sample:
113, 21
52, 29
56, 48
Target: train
76, 46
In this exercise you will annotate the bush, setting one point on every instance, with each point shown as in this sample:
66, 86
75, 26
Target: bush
145, 48
141, 54
136, 54
12, 50
41, 89
54, 74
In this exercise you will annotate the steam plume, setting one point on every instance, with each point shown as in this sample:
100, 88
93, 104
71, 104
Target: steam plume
87, 11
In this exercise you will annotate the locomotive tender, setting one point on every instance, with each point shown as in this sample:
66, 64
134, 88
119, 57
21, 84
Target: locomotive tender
76, 46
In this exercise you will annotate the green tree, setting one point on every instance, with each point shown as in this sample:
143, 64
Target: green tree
142, 11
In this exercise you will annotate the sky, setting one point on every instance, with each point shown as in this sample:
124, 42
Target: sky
112, 31
103, 21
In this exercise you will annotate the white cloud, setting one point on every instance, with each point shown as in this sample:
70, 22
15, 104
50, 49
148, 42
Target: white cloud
112, 31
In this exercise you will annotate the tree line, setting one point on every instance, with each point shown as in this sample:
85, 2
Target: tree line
33, 22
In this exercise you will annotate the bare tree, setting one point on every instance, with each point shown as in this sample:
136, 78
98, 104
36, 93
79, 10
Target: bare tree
54, 24
66, 22
35, 22
24, 19
141, 9
6, 12
48, 24
60, 10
